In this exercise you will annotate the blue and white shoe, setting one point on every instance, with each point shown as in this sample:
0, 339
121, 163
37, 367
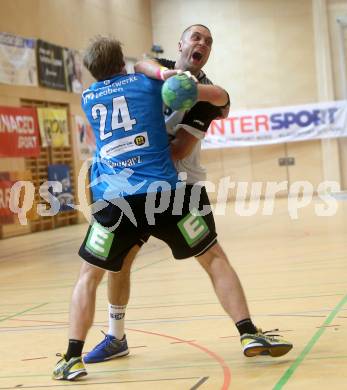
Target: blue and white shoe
109, 348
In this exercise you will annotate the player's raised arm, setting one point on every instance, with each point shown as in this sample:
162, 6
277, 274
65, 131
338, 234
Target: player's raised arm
214, 95
154, 69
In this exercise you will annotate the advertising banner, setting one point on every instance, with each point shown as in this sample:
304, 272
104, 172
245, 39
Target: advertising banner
73, 70
85, 138
17, 60
19, 132
278, 125
61, 173
6, 215
50, 62
53, 127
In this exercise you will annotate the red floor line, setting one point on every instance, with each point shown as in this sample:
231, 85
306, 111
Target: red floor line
37, 358
182, 342
226, 369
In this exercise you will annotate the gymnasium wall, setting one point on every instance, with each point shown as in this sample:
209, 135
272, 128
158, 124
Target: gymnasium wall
264, 55
69, 23
338, 8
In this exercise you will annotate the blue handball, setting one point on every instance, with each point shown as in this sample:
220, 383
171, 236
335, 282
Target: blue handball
179, 92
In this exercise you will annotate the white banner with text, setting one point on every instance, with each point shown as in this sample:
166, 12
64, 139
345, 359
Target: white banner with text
278, 125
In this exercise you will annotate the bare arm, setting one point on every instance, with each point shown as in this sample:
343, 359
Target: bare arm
152, 68
182, 145
213, 94
209, 93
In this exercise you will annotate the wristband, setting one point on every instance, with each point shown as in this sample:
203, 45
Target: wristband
160, 72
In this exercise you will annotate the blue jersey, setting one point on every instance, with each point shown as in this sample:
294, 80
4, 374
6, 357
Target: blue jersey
132, 147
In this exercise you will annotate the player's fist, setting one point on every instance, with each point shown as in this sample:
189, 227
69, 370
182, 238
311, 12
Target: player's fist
167, 73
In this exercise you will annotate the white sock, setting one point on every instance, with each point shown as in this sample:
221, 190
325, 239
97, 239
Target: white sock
116, 316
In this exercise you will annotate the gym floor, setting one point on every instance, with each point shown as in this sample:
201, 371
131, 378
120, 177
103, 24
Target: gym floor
294, 273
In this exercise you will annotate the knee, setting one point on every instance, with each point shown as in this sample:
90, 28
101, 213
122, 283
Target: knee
91, 276
213, 261
206, 261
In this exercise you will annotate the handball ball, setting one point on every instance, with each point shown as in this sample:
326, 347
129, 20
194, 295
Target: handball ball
179, 92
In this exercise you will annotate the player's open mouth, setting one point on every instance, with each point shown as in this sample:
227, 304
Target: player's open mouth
197, 56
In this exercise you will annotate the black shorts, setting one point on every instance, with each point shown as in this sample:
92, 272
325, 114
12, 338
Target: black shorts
185, 225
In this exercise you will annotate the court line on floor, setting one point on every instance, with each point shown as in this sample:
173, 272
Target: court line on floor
214, 364
302, 314
328, 357
200, 382
235, 362
219, 361
290, 371
213, 355
202, 317
72, 284
160, 305
222, 363
96, 383
62, 325
49, 324
39, 247
35, 358
148, 265
226, 370
23, 311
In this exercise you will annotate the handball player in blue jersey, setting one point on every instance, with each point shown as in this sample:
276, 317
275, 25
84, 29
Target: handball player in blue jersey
130, 174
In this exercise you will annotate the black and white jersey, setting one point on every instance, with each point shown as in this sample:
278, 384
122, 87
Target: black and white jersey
195, 121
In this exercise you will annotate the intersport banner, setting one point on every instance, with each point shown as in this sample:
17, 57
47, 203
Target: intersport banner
17, 60
19, 132
278, 125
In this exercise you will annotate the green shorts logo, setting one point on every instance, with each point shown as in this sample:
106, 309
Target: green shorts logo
99, 241
193, 227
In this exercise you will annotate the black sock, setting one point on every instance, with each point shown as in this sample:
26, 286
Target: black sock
246, 326
74, 349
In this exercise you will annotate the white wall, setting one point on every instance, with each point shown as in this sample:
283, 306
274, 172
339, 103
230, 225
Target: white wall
263, 50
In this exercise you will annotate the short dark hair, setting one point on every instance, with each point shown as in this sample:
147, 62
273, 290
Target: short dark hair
103, 57
194, 25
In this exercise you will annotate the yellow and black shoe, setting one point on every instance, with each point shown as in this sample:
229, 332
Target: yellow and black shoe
264, 343
69, 370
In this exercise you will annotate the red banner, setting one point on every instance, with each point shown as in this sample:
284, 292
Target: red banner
19, 132
6, 215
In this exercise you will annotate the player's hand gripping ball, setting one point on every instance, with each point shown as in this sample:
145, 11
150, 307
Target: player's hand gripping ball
180, 92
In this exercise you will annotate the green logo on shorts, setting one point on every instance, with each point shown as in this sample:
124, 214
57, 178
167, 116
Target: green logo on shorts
193, 228
99, 241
